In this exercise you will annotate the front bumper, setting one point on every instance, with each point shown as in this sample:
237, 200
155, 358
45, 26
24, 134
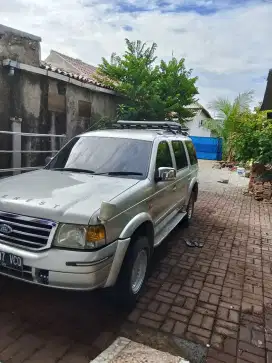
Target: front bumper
66, 269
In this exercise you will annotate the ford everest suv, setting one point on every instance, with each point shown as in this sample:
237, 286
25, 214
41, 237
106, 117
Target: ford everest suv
93, 215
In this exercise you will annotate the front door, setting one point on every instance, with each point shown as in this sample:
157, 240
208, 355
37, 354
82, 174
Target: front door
161, 203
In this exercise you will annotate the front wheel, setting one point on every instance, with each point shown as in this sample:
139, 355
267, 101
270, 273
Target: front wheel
133, 273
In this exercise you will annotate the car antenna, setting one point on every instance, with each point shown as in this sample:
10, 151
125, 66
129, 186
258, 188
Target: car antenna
89, 128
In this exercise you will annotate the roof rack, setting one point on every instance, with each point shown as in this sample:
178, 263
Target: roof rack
169, 126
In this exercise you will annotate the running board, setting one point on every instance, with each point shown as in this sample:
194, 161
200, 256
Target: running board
168, 228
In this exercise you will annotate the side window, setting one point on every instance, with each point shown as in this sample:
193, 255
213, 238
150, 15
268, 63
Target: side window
164, 158
192, 152
180, 154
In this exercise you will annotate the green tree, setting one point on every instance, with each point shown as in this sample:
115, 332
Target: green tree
227, 118
150, 91
253, 138
176, 89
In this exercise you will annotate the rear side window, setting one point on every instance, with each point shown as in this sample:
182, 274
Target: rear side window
180, 154
164, 158
192, 152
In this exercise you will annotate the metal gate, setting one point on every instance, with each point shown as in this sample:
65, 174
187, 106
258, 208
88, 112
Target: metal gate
17, 152
208, 148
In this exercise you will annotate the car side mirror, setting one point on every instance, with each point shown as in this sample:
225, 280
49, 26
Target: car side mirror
165, 174
48, 159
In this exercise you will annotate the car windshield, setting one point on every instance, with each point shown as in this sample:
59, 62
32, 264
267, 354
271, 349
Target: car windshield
104, 155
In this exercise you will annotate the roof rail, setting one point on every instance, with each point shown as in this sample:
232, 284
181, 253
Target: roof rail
169, 126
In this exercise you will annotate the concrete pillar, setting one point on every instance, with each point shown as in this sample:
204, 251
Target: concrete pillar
16, 126
53, 132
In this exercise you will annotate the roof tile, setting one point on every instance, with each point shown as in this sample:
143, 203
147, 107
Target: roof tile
83, 68
85, 72
79, 77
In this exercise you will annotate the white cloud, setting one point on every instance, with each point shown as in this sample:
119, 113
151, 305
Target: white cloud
224, 46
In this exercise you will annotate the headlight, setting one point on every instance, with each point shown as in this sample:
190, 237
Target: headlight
81, 237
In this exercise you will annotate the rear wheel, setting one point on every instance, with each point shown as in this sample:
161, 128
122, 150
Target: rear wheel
190, 208
133, 273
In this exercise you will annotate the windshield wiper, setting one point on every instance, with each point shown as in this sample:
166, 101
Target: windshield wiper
75, 170
120, 173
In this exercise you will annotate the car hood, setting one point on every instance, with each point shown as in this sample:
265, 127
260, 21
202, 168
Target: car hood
61, 196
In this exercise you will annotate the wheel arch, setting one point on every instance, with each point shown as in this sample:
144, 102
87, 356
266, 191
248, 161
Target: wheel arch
195, 190
193, 187
140, 221
140, 225
146, 229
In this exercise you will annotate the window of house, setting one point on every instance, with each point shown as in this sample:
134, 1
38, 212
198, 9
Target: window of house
84, 109
61, 88
164, 158
180, 154
191, 152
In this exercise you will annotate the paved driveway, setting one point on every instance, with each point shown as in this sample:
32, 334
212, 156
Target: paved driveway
218, 296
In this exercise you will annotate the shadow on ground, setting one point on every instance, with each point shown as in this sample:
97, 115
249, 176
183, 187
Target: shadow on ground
82, 321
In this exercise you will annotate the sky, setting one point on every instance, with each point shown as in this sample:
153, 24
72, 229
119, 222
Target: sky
227, 43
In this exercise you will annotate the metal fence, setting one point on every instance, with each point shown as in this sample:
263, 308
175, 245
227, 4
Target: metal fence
17, 152
208, 148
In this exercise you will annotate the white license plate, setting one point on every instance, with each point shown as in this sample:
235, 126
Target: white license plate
11, 261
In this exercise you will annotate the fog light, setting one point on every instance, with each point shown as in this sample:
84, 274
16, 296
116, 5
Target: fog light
42, 276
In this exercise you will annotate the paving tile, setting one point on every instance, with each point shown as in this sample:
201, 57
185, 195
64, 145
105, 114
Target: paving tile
218, 295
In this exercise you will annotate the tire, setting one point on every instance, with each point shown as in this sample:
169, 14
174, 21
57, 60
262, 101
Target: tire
190, 208
129, 286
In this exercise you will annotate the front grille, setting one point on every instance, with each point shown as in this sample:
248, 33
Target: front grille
26, 232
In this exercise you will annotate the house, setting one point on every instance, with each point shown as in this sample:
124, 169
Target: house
54, 97
196, 125
267, 100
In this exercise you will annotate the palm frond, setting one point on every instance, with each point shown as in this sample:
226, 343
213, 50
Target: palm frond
222, 107
243, 100
215, 126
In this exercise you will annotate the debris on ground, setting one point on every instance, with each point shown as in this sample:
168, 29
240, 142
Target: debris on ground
223, 181
225, 164
241, 171
260, 183
193, 243
216, 166
262, 190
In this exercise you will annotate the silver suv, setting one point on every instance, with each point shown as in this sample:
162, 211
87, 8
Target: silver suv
93, 216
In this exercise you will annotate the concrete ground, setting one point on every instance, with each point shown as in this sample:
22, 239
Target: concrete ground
209, 304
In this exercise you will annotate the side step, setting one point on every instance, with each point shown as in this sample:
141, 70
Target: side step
163, 233
125, 350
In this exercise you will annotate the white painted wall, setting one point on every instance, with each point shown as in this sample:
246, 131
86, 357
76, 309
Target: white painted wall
195, 127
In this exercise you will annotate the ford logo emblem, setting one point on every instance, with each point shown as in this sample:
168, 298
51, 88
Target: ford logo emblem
5, 229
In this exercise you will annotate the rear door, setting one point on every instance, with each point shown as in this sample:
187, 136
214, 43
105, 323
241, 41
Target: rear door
192, 155
192, 158
182, 166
